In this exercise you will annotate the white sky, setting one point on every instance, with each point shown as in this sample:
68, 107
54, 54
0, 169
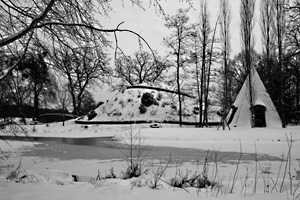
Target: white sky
150, 24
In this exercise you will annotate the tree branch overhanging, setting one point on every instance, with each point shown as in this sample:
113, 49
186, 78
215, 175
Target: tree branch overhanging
3, 76
32, 25
115, 30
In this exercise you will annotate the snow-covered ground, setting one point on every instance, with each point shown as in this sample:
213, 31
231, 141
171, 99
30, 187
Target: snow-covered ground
50, 178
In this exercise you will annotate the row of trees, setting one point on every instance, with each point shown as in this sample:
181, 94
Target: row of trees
33, 82
66, 39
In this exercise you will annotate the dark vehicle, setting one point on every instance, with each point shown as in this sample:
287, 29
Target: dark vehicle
155, 125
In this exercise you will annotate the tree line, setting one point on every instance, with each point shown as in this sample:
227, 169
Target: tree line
57, 51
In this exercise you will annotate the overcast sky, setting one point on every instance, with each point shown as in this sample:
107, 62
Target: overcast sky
150, 24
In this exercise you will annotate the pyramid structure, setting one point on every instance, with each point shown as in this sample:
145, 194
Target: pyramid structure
264, 111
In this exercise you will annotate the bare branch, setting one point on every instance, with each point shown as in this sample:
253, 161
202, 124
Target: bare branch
26, 30
95, 29
19, 60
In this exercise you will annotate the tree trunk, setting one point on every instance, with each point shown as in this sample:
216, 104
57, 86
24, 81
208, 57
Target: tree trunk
21, 112
279, 24
198, 88
202, 83
178, 88
79, 99
298, 91
75, 111
205, 120
36, 104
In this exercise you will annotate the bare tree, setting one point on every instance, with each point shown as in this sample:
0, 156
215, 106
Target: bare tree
280, 29
4, 88
178, 43
82, 68
211, 57
4, 102
204, 34
267, 20
268, 72
225, 20
19, 86
293, 33
63, 99
195, 59
140, 68
247, 40
41, 81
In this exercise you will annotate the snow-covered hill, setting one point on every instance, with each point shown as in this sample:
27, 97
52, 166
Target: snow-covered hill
150, 105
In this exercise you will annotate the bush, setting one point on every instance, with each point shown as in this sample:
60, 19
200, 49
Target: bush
155, 102
130, 114
196, 110
174, 107
153, 112
121, 102
143, 109
117, 114
147, 99
185, 114
165, 104
139, 95
159, 96
91, 115
134, 152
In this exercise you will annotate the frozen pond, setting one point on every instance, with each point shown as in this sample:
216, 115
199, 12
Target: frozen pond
105, 150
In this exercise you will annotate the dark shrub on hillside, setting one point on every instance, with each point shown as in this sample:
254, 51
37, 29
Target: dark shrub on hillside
91, 115
165, 104
100, 103
159, 96
121, 102
117, 114
147, 99
139, 95
155, 102
196, 110
143, 109
184, 114
173, 107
